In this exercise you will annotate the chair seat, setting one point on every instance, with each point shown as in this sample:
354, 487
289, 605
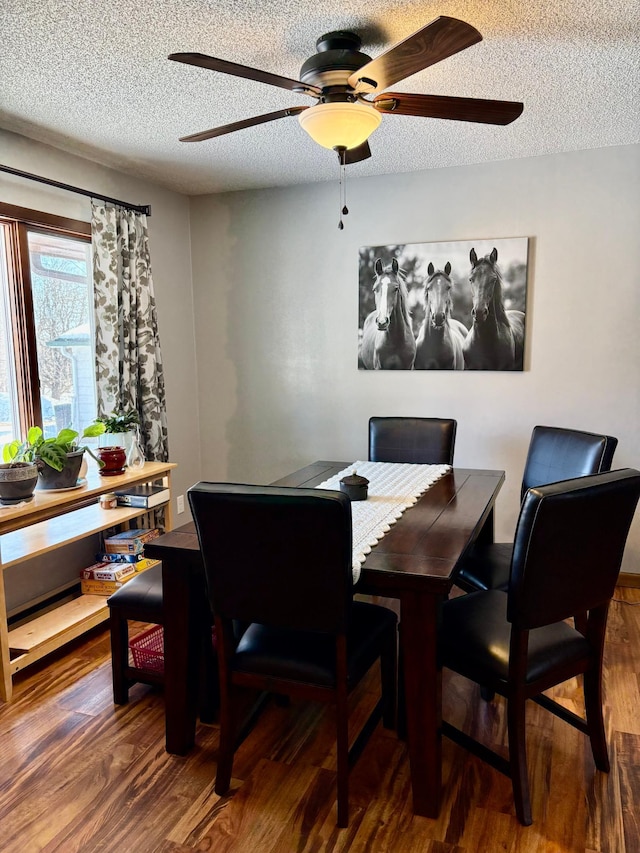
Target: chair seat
142, 594
311, 657
476, 638
486, 566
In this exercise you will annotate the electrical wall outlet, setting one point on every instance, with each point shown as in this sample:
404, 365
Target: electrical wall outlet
180, 502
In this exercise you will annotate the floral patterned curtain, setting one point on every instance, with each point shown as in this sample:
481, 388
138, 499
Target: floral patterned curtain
128, 361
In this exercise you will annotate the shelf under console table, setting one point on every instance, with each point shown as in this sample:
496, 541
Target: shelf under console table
50, 521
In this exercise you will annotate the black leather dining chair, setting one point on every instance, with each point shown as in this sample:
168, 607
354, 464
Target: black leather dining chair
567, 553
279, 560
427, 441
554, 454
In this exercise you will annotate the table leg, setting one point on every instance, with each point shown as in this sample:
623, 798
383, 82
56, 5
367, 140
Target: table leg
181, 655
486, 534
419, 618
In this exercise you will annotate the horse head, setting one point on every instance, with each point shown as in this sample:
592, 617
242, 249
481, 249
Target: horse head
388, 288
485, 283
437, 295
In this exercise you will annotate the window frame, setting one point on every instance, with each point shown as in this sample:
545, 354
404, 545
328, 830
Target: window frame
17, 222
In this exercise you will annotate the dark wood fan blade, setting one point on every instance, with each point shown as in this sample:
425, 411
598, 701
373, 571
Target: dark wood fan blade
236, 70
439, 106
355, 155
240, 125
438, 40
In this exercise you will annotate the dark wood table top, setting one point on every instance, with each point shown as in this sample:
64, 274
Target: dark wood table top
425, 545
423, 549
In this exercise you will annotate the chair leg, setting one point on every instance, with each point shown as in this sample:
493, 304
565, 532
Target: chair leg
596, 625
209, 699
389, 680
119, 630
402, 696
595, 720
518, 758
226, 746
342, 754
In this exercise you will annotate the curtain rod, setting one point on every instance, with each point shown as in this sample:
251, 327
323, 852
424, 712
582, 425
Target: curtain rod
140, 208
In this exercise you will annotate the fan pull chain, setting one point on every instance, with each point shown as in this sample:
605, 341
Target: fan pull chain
345, 209
342, 186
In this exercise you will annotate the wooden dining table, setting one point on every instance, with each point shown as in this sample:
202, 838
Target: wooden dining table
415, 563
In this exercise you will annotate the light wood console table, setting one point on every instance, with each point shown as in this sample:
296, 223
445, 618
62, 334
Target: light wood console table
50, 521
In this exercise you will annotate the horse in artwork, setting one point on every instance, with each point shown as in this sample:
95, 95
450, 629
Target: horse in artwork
388, 342
441, 338
496, 338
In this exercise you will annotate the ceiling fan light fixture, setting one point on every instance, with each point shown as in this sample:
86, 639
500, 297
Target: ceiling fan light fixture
341, 124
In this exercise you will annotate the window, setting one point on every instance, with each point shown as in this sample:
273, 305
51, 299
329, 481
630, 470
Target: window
47, 360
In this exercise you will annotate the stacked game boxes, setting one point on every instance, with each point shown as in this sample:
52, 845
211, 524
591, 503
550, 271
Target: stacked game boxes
122, 558
130, 541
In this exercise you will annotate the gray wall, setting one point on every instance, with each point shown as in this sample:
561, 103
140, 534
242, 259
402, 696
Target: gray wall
276, 291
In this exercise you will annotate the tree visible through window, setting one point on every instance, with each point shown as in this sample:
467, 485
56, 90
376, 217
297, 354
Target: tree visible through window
46, 345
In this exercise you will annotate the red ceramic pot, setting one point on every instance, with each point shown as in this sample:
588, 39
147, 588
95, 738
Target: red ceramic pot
114, 459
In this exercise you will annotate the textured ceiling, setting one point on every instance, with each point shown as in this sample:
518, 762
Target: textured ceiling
92, 77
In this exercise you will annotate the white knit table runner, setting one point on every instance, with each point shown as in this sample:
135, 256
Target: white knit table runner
393, 487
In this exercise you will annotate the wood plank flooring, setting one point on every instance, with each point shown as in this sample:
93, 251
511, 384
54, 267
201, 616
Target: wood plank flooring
80, 774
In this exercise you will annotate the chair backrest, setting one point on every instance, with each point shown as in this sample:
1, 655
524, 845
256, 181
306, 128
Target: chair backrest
428, 441
568, 546
560, 454
278, 556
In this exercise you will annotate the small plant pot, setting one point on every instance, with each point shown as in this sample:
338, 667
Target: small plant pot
67, 478
17, 482
114, 459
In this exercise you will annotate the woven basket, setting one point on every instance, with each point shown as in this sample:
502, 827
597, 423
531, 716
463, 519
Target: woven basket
148, 649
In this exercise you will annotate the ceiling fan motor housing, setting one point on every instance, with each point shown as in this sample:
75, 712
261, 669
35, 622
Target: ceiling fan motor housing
337, 58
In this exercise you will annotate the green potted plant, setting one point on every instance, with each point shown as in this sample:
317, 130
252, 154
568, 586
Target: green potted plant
58, 459
119, 429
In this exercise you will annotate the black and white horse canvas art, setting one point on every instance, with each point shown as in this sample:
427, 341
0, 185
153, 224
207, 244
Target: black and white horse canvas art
443, 306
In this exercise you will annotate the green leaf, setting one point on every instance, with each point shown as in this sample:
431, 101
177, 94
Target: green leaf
53, 455
65, 436
10, 450
94, 430
34, 435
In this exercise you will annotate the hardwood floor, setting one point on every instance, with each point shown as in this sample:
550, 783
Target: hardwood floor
79, 774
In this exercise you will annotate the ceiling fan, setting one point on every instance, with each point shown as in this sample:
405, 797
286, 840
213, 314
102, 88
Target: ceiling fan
339, 77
